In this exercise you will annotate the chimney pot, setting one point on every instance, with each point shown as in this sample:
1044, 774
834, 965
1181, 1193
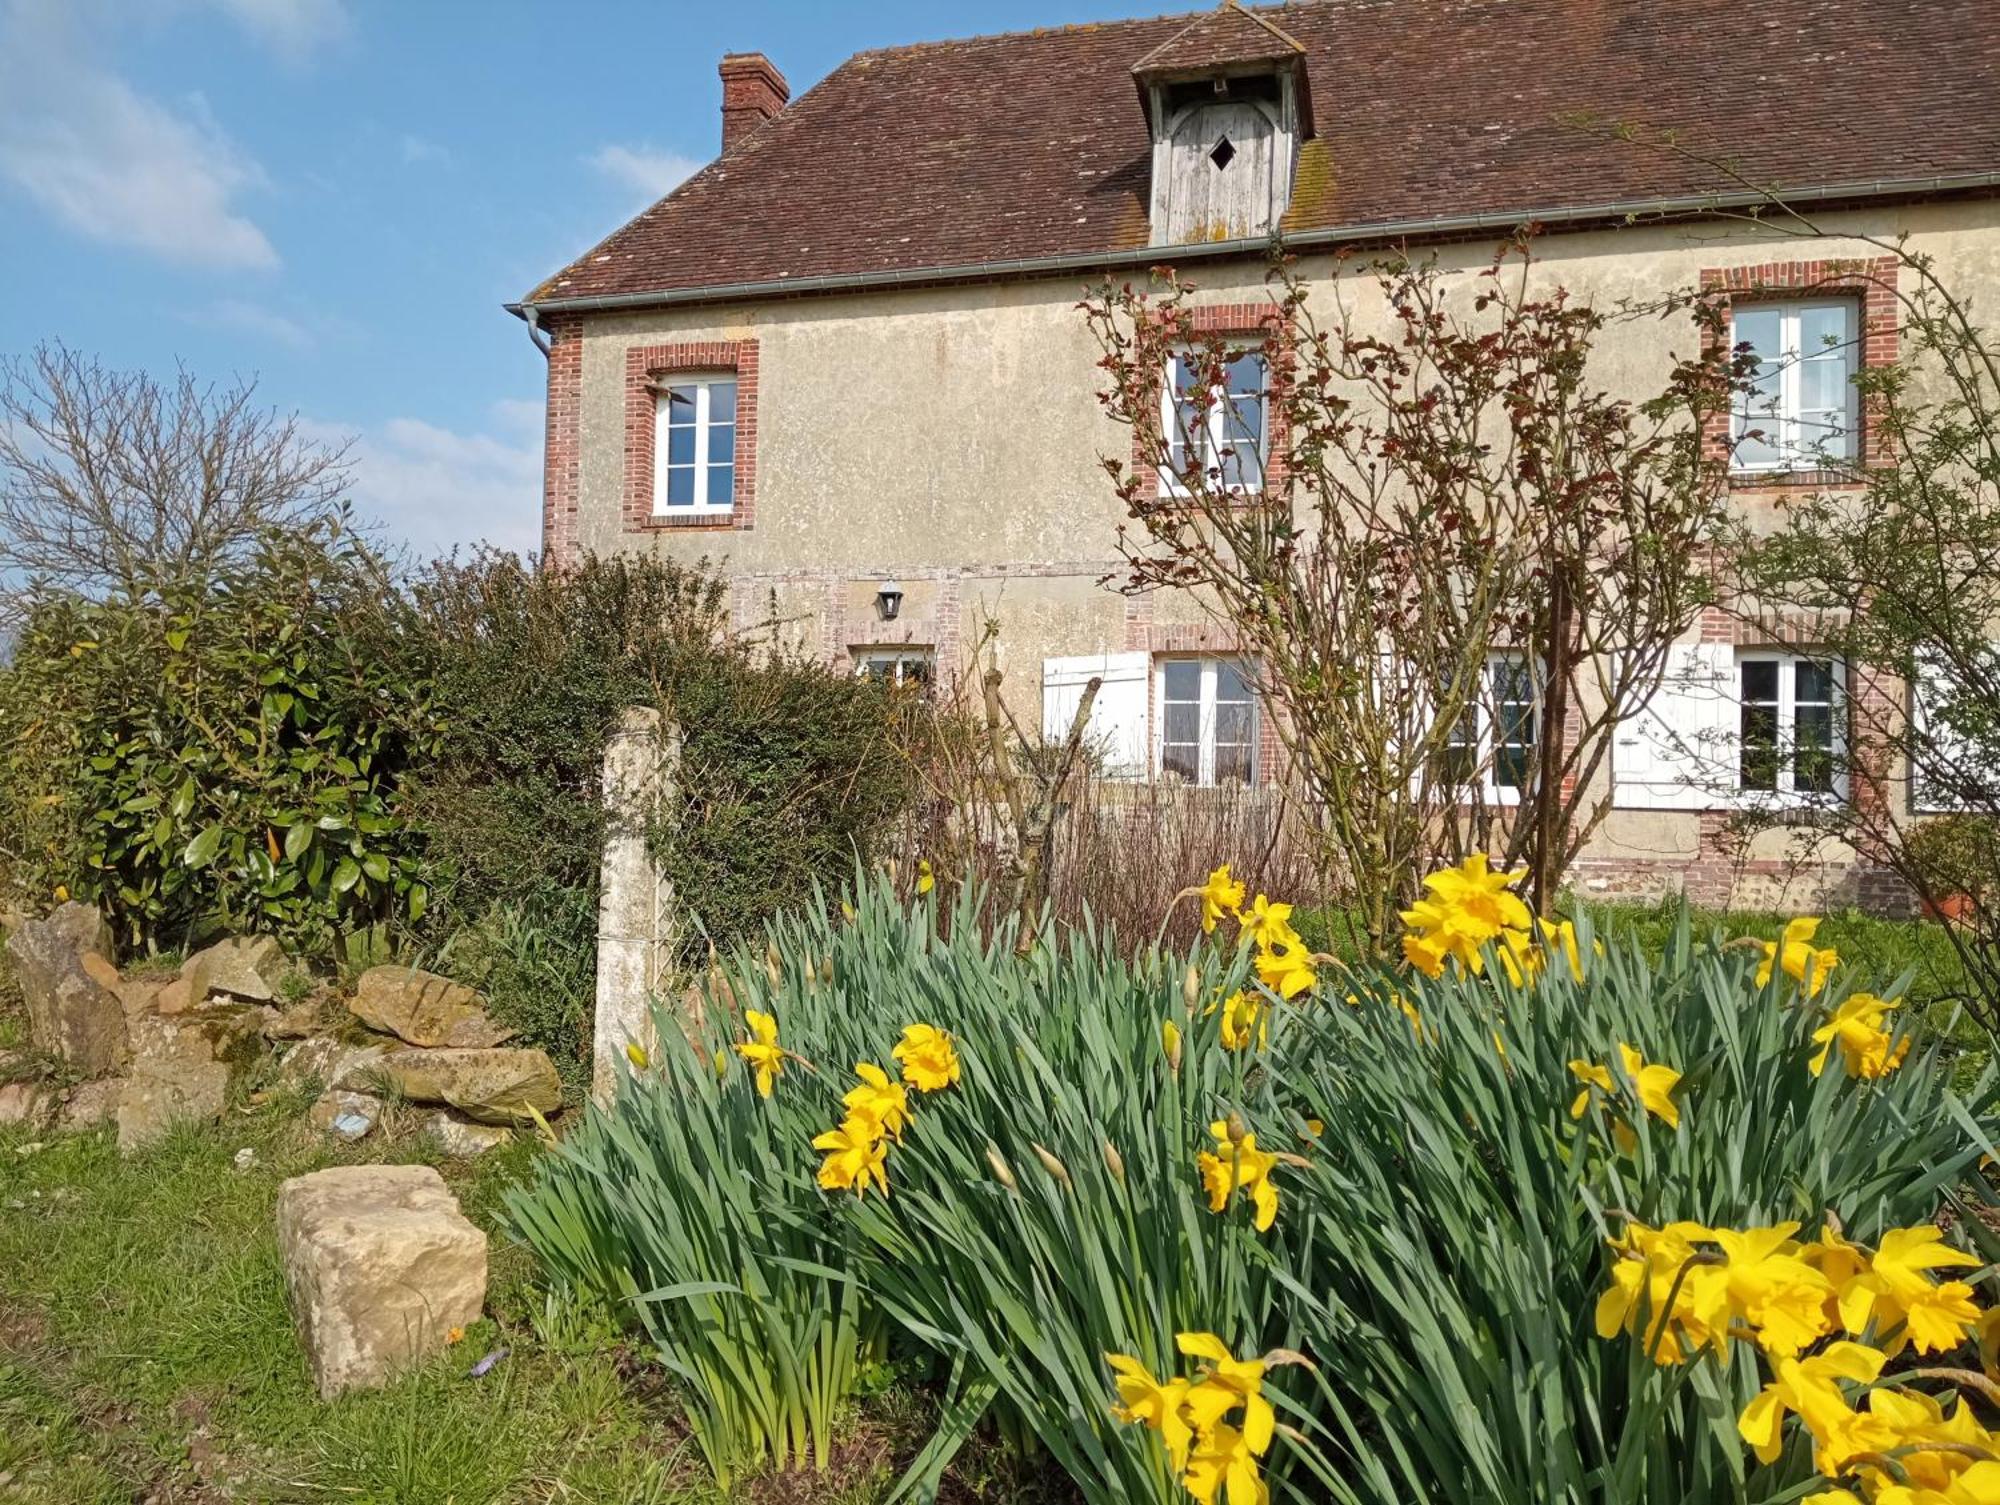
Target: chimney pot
753, 90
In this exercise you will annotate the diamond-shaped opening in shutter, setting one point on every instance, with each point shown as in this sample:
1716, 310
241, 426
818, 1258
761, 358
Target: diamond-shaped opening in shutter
1224, 153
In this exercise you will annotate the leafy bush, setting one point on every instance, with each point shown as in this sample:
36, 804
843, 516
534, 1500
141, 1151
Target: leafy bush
788, 770
1439, 1239
225, 752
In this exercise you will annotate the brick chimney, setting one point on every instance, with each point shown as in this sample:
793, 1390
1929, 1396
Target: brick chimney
753, 90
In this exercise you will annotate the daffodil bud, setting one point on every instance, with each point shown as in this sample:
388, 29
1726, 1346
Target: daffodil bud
826, 971
636, 1054
1191, 988
1238, 1129
1000, 1171
1114, 1162
721, 1064
772, 968
1052, 1165
847, 911
1170, 1039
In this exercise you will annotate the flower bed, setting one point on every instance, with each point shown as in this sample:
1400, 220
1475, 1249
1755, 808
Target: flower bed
1245, 1220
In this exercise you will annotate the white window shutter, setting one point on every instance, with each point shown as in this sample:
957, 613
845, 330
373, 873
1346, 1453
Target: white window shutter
1116, 730
1677, 751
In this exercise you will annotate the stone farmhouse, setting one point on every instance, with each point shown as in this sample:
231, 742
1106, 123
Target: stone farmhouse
844, 362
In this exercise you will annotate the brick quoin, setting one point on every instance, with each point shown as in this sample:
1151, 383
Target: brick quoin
645, 365
561, 440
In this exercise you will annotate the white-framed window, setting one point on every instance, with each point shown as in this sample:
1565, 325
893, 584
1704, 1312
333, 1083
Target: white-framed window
694, 445
1802, 411
899, 666
1494, 741
1207, 720
1228, 439
1791, 715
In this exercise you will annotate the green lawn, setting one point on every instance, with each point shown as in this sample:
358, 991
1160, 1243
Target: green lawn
146, 1354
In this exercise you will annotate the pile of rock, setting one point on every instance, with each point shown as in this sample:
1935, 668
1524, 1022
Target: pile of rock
427, 1041
154, 1048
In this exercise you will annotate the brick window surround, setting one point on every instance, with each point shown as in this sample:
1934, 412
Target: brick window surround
645, 366
1870, 281
1252, 322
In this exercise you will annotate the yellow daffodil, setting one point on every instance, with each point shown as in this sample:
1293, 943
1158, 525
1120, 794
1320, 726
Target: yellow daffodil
1220, 895
636, 1054
1287, 972
1520, 957
1266, 924
855, 1154
1654, 1083
1867, 1050
1223, 1463
1231, 1383
1426, 951
1238, 1165
1467, 906
929, 1059
1781, 1295
762, 1050
1559, 937
926, 879
1805, 964
1806, 1386
1154, 1404
1246, 1020
1656, 1266
878, 1100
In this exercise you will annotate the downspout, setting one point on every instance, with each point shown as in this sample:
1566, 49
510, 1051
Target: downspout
535, 331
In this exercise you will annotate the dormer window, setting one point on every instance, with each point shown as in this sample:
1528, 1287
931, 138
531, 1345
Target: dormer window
1227, 102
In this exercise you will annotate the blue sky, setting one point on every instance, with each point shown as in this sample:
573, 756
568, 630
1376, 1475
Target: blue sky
336, 196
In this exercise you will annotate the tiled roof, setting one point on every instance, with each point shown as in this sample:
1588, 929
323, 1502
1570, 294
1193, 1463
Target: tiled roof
1227, 34
1034, 144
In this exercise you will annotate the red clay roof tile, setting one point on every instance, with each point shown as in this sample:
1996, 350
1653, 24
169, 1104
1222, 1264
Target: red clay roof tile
1034, 144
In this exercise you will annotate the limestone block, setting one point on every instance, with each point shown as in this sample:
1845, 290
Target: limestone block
492, 1086
380, 1266
423, 1008
71, 1013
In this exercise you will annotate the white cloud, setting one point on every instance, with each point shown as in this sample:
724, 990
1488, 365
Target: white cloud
294, 29
652, 173
254, 319
418, 150
431, 487
113, 164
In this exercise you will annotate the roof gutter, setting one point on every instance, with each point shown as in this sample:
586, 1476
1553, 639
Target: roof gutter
1439, 226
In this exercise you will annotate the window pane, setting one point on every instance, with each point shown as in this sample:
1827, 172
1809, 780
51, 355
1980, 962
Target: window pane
1181, 758
680, 446
1760, 680
1232, 764
1812, 756
721, 485
1182, 722
680, 405
1229, 681
722, 402
1823, 330
721, 443
1246, 420
1181, 679
1758, 328
1511, 762
1244, 373
680, 486
1759, 768
1232, 723
1813, 681
1823, 383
